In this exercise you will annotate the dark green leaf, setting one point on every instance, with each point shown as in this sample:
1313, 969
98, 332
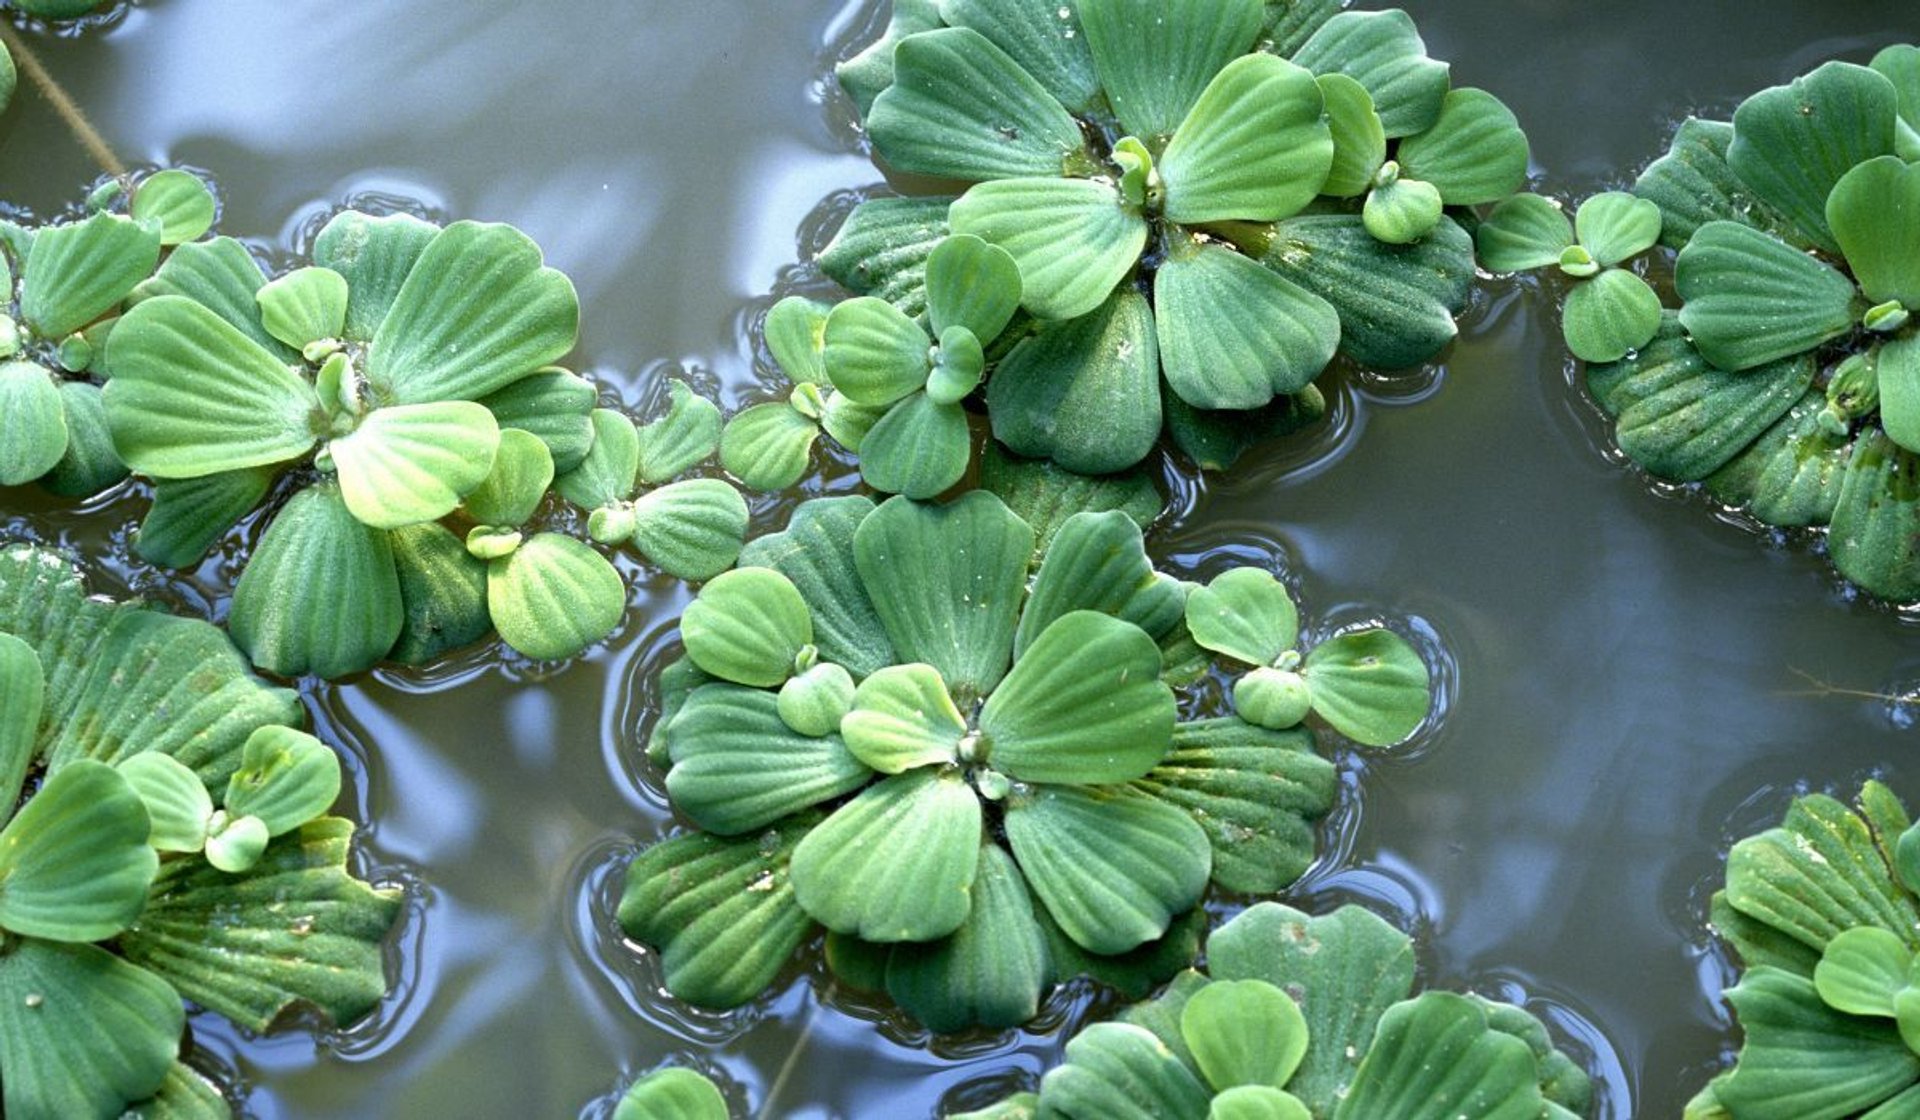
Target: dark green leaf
90, 464
22, 698
1875, 536
1750, 299
990, 972
1817, 875
190, 514
865, 74
1045, 495
1474, 152
1693, 185
882, 249
320, 594
1610, 316
444, 592
1396, 302
737, 766
74, 861
1085, 392
1802, 1059
1792, 143
554, 405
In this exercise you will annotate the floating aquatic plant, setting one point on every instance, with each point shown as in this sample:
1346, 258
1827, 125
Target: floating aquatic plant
1300, 1017
673, 1093
1610, 311
169, 842
1204, 201
979, 787
1824, 913
1789, 381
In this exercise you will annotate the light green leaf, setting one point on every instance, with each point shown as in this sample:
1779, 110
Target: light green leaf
1113, 866
286, 778
1118, 1071
1276, 699
320, 594
991, 971
82, 1032
179, 201
1897, 372
1396, 302
1403, 211
747, 626
1801, 1058
553, 404
947, 582
1371, 685
375, 254
1610, 316
1083, 705
882, 249
1615, 226
897, 862
192, 395
1256, 146
814, 702
1155, 59
1084, 392
691, 530
1436, 1055
673, 443
847, 422
1749, 299
1244, 1032
768, 446
902, 718
1359, 140
738, 767
412, 463
1874, 212
554, 597
74, 861
672, 1094
816, 552
1257, 1102
477, 312
1383, 52
1817, 875
90, 465
610, 469
971, 284
1244, 613
960, 108
1233, 335
1098, 562
33, 425
720, 912
962, 362
919, 448
222, 276
1045, 39
518, 480
306, 305
1900, 64
1523, 233
23, 699
295, 929
1693, 185
1875, 536
177, 804
78, 271
1862, 970
1792, 143
1474, 153
1074, 240
235, 844
874, 353
795, 330
9, 78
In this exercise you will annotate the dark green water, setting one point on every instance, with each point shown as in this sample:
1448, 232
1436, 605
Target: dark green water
1630, 672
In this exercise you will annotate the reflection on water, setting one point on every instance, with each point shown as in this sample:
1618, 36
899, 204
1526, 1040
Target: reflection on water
1630, 676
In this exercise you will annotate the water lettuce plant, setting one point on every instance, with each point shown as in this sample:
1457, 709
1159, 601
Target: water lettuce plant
1308, 1018
1610, 311
978, 784
1824, 914
1788, 383
1205, 201
673, 1093
165, 839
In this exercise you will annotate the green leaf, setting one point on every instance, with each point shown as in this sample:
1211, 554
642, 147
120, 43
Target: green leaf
1257, 1102
1791, 475
554, 596
1256, 146
874, 353
190, 514
1523, 233
675, 442
897, 862
747, 626
82, 1032
1383, 52
1045, 39
179, 201
1396, 302
186, 1094
957, 370
814, 702
1359, 140
795, 330
9, 78
1084, 392
1474, 152
177, 804
1083, 705
720, 912
1802, 1059
1118, 1071
971, 284
1370, 685
1436, 1055
1234, 335
882, 249
33, 425
1874, 212
1402, 212
1615, 226
1045, 495
79, 271
1246, 614
517, 482
1897, 372
991, 971
1792, 143
1610, 316
1862, 970
235, 843
920, 448
847, 422
1254, 792
222, 276
690, 530
1244, 1032
554, 405
1215, 441
738, 767
1875, 536
1074, 240
1749, 299
902, 718
74, 861
286, 778
866, 74
960, 108
672, 1094
768, 446
1155, 59
296, 929
192, 395
609, 472
1112, 866
1693, 185
320, 594
90, 465
375, 254
1816, 875
22, 698
947, 582
1276, 699
477, 312
1098, 562
306, 305
816, 552
412, 463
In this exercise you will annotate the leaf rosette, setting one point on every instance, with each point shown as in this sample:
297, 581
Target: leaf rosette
1205, 201
172, 843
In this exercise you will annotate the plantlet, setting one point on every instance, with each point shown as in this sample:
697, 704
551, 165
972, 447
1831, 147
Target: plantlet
171, 843
1610, 311
673, 1093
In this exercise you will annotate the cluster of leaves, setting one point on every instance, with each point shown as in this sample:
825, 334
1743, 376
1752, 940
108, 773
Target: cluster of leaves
1302, 1017
1824, 912
1788, 382
1611, 311
397, 388
977, 782
1205, 201
169, 842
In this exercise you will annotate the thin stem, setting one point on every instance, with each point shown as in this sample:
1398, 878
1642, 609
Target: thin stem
76, 121
793, 1058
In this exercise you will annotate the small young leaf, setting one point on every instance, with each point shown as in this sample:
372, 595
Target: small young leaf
971, 284
554, 596
747, 626
611, 468
412, 463
1246, 614
178, 805
511, 493
958, 370
1257, 1102
897, 862
1244, 1032
1371, 685
1074, 239
814, 702
1403, 211
673, 443
874, 353
816, 552
306, 305
1615, 226
1610, 316
1474, 152
1359, 140
902, 717
286, 778
1275, 699
235, 844
179, 201
920, 448
1523, 233
768, 446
